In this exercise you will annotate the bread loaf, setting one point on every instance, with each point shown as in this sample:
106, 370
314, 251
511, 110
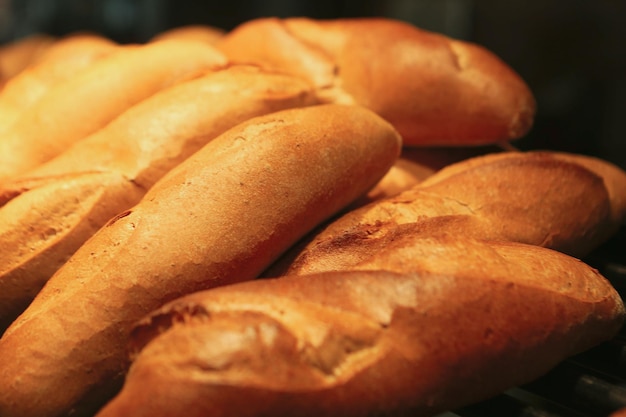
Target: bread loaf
433, 89
482, 318
538, 198
74, 109
56, 207
59, 62
221, 216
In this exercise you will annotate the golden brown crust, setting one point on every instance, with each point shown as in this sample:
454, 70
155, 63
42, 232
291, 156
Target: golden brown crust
370, 342
536, 198
433, 89
109, 87
245, 197
150, 138
136, 149
42, 228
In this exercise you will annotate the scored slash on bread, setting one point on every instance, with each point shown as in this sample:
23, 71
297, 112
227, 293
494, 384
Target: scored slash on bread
52, 210
434, 90
41, 229
413, 341
221, 216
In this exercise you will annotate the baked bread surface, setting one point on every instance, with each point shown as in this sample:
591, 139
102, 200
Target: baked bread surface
370, 342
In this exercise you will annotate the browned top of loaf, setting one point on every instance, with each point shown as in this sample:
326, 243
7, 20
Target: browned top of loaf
612, 177
537, 198
150, 138
133, 73
433, 89
348, 343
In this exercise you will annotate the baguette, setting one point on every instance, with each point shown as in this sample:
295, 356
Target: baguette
370, 343
50, 212
87, 102
537, 198
220, 217
60, 61
433, 89
612, 177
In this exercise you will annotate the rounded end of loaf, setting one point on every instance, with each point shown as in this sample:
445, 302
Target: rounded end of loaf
434, 90
438, 90
582, 181
614, 179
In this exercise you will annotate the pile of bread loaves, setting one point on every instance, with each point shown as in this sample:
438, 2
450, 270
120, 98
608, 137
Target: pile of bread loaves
297, 217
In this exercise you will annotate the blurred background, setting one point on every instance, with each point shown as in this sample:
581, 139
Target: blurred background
571, 53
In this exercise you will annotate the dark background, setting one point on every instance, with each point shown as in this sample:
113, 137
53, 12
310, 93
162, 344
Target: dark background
572, 53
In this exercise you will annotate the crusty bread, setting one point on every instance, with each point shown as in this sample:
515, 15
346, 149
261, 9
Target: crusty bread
85, 103
53, 209
41, 229
612, 177
538, 198
60, 61
433, 89
370, 343
221, 216
151, 137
